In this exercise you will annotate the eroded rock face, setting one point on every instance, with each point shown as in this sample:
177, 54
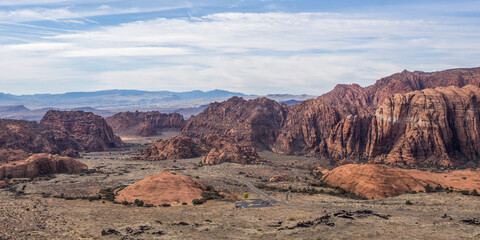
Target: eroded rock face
246, 123
79, 130
144, 123
27, 136
177, 147
432, 127
41, 163
222, 150
165, 187
380, 181
11, 155
351, 124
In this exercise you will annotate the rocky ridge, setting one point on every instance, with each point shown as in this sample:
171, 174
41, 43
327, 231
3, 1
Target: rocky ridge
213, 150
144, 123
79, 130
355, 124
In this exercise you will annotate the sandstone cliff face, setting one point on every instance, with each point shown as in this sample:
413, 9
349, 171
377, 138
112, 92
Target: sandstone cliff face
177, 147
144, 123
165, 187
11, 155
38, 164
252, 122
359, 101
26, 136
380, 181
78, 130
433, 127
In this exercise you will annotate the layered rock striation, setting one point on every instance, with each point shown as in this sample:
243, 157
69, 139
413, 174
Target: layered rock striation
400, 120
165, 187
79, 130
144, 123
39, 164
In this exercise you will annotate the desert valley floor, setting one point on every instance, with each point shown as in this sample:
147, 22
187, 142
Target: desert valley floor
29, 210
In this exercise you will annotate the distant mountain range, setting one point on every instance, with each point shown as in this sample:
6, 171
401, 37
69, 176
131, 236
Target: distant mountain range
109, 102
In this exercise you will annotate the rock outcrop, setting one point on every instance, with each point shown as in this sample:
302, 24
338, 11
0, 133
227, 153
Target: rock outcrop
144, 123
165, 187
174, 148
380, 181
79, 130
11, 155
38, 164
221, 150
27, 136
383, 123
243, 122
432, 127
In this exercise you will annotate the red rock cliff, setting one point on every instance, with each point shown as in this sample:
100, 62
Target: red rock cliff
82, 131
144, 123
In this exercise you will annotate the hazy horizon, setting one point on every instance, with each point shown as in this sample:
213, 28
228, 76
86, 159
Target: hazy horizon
251, 46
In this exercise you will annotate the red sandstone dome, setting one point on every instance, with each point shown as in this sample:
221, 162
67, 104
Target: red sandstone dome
165, 187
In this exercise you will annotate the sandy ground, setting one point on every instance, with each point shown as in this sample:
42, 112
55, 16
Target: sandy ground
32, 215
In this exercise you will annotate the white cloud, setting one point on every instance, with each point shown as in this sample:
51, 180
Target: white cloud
248, 52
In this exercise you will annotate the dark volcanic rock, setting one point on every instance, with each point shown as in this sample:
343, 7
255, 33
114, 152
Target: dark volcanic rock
78, 130
144, 123
41, 163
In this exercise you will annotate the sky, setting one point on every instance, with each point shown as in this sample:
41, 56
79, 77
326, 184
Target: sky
249, 46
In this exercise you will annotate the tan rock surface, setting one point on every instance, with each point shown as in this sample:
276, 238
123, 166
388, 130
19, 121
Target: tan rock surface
41, 163
165, 187
380, 181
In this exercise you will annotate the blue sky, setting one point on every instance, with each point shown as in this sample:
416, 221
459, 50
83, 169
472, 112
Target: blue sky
250, 46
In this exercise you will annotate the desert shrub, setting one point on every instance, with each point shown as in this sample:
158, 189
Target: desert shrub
475, 193
149, 205
184, 203
465, 192
439, 188
428, 188
245, 195
46, 195
124, 202
165, 205
9, 176
198, 201
408, 202
138, 203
